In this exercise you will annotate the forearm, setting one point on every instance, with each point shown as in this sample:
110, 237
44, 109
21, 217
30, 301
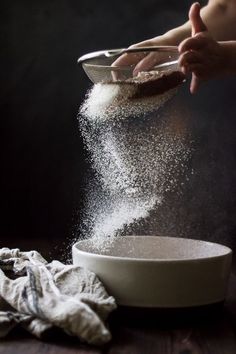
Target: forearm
229, 56
220, 18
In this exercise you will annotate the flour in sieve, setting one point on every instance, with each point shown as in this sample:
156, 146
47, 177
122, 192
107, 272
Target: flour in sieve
109, 101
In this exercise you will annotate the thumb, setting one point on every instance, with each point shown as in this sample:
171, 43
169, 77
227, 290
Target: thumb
195, 18
197, 26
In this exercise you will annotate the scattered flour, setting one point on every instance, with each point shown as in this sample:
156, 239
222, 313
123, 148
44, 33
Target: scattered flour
137, 156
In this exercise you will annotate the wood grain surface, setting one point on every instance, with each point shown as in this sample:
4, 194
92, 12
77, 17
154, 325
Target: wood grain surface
206, 330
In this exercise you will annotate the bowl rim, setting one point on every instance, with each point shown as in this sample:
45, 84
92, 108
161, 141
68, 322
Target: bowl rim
227, 252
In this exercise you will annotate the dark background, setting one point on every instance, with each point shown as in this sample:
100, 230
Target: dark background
43, 164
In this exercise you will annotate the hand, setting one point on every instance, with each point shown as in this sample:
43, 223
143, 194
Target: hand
201, 54
142, 62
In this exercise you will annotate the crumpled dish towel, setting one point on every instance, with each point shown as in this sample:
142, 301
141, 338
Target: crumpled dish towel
40, 296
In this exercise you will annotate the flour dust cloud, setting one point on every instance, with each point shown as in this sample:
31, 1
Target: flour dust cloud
137, 153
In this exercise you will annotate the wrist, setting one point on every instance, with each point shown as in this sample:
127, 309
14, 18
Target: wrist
229, 57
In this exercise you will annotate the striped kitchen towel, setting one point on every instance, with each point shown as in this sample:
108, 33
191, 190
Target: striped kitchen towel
39, 296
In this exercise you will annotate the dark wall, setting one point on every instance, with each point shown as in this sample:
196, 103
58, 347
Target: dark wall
42, 159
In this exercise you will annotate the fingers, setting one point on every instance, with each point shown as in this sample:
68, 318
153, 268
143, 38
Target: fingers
195, 83
189, 57
147, 63
194, 43
191, 49
190, 62
127, 59
141, 61
197, 77
131, 58
195, 18
151, 59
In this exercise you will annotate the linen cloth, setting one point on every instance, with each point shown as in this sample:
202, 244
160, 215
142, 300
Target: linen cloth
40, 296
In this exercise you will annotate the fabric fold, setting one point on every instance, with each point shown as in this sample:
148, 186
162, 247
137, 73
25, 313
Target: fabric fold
42, 295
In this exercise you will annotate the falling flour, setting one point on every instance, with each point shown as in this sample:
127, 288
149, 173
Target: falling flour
131, 97
137, 154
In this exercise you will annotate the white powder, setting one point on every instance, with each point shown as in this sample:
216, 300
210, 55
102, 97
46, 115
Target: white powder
136, 156
114, 101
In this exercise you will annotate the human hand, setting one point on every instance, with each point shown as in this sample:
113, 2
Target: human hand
200, 54
141, 61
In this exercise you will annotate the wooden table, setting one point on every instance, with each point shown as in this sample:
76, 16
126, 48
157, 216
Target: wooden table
209, 330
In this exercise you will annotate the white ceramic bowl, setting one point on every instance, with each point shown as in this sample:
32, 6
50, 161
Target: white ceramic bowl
155, 271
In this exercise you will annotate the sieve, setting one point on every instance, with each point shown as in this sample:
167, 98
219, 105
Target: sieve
100, 66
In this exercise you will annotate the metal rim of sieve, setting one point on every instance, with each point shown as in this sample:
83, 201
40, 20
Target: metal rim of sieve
113, 52
125, 68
